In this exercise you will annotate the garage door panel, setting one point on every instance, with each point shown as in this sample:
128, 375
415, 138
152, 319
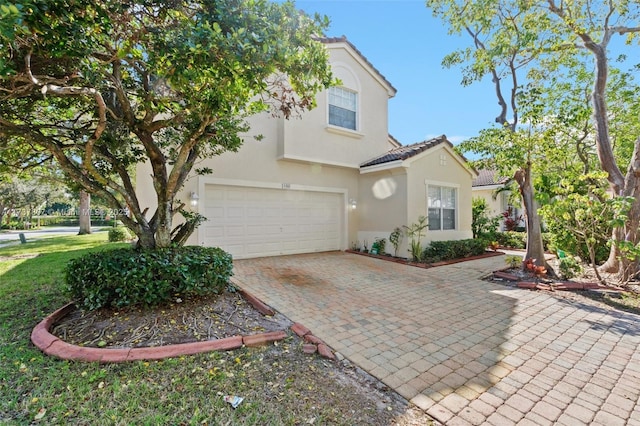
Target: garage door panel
252, 222
213, 232
234, 231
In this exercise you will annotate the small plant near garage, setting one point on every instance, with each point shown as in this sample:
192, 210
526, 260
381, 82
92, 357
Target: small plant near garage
379, 246
415, 232
395, 238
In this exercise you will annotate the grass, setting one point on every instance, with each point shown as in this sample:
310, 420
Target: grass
281, 385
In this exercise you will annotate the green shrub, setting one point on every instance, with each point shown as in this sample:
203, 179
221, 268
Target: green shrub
415, 231
569, 267
513, 261
511, 239
382, 245
456, 249
118, 234
518, 240
483, 225
130, 276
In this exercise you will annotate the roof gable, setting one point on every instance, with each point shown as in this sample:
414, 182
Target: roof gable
404, 155
360, 58
405, 152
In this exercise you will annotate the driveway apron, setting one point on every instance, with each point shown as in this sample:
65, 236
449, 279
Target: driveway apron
465, 350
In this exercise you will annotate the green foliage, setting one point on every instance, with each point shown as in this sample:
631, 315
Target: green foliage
139, 393
415, 231
380, 244
395, 238
513, 260
556, 59
118, 234
518, 240
511, 239
102, 86
482, 225
581, 216
454, 249
570, 267
127, 276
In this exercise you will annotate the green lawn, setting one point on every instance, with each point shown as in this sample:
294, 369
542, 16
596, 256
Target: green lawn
280, 385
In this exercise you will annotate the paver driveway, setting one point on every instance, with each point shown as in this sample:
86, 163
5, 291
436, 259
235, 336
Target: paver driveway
465, 350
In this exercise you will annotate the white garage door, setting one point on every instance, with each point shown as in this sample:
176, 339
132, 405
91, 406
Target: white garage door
253, 222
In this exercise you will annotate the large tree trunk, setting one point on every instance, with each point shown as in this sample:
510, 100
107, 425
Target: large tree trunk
3, 209
84, 215
535, 247
627, 266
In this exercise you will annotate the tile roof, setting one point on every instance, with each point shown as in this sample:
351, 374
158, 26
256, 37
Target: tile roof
343, 39
395, 141
487, 177
407, 151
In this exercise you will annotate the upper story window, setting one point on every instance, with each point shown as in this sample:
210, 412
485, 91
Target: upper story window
343, 108
441, 202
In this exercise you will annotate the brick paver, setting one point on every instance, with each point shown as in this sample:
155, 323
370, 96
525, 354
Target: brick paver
464, 350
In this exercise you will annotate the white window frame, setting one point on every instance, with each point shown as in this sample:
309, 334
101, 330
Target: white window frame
456, 209
356, 109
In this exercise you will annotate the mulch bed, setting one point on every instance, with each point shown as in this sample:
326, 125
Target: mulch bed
185, 319
405, 261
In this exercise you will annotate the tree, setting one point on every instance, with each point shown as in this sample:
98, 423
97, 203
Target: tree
501, 36
103, 85
84, 213
592, 29
8, 198
547, 35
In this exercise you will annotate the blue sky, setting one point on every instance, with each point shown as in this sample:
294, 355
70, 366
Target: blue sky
406, 44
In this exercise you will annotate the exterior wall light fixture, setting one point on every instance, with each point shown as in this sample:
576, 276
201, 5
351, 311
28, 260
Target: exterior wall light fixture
193, 198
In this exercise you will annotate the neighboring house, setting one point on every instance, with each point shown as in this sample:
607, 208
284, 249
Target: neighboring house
490, 186
331, 178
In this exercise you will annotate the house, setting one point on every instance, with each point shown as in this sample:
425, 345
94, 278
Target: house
331, 178
491, 187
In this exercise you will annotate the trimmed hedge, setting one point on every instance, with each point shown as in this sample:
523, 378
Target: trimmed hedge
122, 277
511, 239
455, 249
518, 240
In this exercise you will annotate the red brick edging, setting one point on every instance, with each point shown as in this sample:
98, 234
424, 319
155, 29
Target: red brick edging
558, 285
313, 343
53, 346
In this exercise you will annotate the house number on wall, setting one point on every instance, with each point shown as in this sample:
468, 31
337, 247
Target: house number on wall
286, 186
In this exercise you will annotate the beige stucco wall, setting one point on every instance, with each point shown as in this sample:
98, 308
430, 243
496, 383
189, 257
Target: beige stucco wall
398, 196
445, 171
495, 203
382, 205
312, 138
255, 164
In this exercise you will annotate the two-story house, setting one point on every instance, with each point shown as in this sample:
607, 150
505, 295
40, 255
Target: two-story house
330, 178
